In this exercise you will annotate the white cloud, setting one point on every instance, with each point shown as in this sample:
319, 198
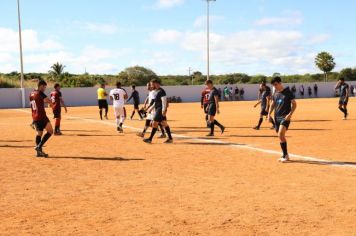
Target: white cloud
166, 36
288, 18
168, 3
101, 28
315, 39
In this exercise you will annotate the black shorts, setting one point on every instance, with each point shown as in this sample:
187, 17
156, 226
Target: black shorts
263, 111
103, 104
205, 108
281, 121
343, 102
41, 124
212, 110
57, 113
159, 117
136, 106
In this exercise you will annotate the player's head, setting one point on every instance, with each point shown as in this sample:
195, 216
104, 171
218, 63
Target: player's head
149, 88
42, 85
118, 85
342, 80
209, 83
57, 87
277, 83
263, 85
133, 87
155, 83
102, 85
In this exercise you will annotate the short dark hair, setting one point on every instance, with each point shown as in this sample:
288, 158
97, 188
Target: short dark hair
342, 79
276, 79
263, 83
118, 84
155, 81
41, 82
133, 86
56, 85
209, 81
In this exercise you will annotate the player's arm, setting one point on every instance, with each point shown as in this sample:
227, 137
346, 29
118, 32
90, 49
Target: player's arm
130, 97
294, 107
337, 85
258, 103
216, 97
145, 103
202, 100
63, 104
271, 109
269, 98
164, 105
48, 101
125, 96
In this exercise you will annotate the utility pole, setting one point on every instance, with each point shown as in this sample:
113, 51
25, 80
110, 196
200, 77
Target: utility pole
21, 55
190, 75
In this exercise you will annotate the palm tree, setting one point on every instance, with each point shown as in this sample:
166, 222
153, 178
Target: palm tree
325, 62
56, 69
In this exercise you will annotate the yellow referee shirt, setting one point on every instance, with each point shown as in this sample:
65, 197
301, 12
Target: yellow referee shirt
101, 94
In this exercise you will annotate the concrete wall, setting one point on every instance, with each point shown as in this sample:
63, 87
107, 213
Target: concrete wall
11, 98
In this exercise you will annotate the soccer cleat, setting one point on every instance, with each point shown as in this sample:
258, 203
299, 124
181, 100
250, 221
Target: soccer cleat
222, 130
346, 115
141, 135
169, 141
120, 130
163, 136
147, 140
210, 135
40, 153
256, 128
58, 133
32, 126
284, 159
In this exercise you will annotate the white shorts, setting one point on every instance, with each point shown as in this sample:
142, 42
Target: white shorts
120, 111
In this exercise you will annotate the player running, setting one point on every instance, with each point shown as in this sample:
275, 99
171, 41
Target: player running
265, 99
118, 96
284, 104
102, 102
160, 106
57, 101
39, 117
344, 96
136, 101
205, 102
213, 108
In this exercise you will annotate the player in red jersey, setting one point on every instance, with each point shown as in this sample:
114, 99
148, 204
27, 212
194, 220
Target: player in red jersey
57, 100
205, 102
40, 119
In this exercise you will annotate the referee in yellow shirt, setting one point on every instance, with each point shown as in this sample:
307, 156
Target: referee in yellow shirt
102, 102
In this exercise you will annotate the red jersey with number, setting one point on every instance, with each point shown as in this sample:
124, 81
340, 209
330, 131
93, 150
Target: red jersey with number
37, 105
205, 96
56, 99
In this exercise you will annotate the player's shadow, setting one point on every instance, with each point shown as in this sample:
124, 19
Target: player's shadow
73, 130
15, 141
98, 158
211, 144
90, 135
327, 163
307, 121
254, 136
16, 146
308, 129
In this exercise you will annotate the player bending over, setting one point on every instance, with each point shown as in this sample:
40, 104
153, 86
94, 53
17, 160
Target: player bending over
39, 117
102, 102
265, 99
57, 101
160, 105
213, 108
118, 96
344, 96
284, 104
205, 102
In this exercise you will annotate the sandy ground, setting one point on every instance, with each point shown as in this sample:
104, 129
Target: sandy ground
97, 182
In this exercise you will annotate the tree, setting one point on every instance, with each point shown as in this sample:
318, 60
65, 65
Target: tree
56, 70
136, 75
325, 62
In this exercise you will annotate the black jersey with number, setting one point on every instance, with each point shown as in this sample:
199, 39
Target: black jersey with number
213, 93
158, 99
283, 102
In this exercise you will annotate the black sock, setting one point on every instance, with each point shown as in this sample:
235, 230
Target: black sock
342, 110
56, 128
44, 140
153, 132
38, 139
260, 122
345, 112
168, 130
218, 124
212, 126
206, 118
120, 125
101, 114
133, 113
284, 148
161, 128
106, 111
139, 113
272, 121
145, 129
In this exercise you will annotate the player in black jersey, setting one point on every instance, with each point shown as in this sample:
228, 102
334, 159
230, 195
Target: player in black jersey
344, 96
284, 104
213, 108
265, 99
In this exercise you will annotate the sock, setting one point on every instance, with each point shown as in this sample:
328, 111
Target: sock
154, 130
120, 125
38, 139
260, 122
342, 110
162, 129
212, 126
133, 113
168, 130
44, 140
101, 114
272, 121
345, 112
106, 111
284, 148
206, 118
218, 124
145, 129
139, 113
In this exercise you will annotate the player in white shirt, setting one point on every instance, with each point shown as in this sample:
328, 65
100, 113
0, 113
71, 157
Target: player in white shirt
119, 96
151, 96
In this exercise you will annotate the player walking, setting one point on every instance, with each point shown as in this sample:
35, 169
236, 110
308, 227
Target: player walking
102, 102
57, 101
213, 108
205, 102
265, 99
39, 117
136, 101
118, 96
160, 105
284, 104
344, 96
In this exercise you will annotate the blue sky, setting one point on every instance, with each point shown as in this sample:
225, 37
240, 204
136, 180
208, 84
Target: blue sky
168, 36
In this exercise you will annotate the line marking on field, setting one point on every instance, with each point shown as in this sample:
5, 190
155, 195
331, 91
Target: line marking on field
245, 146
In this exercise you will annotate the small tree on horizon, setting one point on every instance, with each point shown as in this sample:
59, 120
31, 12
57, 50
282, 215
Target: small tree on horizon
56, 70
325, 62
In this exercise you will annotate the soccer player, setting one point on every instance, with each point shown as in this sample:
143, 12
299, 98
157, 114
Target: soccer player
205, 102
102, 102
118, 96
265, 99
136, 101
344, 96
160, 105
39, 117
284, 104
213, 108
57, 101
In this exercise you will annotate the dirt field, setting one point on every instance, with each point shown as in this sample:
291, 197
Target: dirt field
98, 182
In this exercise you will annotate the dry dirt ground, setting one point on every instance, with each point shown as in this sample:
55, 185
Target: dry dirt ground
98, 182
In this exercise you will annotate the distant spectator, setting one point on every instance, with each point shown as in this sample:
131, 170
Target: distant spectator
316, 90
237, 91
310, 93
301, 90
294, 90
226, 93
220, 93
231, 93
352, 90
242, 92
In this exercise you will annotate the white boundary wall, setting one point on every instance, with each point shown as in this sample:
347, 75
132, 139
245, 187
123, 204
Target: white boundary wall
11, 97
